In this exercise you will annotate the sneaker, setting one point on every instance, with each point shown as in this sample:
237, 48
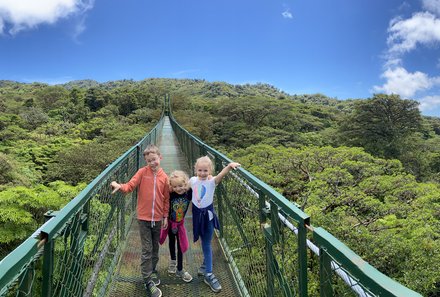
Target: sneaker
184, 275
201, 270
172, 266
155, 278
213, 283
152, 290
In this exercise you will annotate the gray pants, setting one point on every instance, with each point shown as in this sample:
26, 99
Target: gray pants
150, 235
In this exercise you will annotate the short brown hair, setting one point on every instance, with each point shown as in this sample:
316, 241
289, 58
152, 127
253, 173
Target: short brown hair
151, 149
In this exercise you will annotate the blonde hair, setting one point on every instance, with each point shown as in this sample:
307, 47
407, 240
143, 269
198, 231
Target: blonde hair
179, 176
151, 149
206, 160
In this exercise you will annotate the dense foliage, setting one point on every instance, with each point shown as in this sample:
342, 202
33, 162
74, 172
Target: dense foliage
55, 139
367, 170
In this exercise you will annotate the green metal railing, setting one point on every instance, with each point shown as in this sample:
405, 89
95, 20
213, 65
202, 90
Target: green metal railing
267, 240
75, 252
272, 248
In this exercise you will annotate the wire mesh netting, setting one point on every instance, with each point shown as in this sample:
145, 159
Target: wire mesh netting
90, 243
75, 252
242, 234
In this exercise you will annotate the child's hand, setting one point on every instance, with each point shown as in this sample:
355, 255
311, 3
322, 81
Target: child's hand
115, 186
165, 223
219, 177
234, 165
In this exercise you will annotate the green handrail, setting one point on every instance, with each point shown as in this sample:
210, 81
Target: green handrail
368, 277
75, 251
283, 275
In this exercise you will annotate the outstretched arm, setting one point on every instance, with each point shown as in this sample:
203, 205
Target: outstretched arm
225, 171
130, 186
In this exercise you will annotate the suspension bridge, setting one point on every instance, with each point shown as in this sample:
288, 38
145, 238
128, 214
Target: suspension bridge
266, 245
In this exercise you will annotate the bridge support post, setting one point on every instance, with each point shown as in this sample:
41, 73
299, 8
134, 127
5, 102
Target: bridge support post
48, 259
302, 256
262, 206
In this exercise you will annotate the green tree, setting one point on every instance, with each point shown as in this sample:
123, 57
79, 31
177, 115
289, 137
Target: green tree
34, 117
382, 124
127, 103
79, 163
370, 204
22, 210
6, 170
76, 96
50, 97
96, 98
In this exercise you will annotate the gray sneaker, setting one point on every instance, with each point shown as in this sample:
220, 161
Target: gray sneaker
152, 290
155, 278
213, 282
184, 275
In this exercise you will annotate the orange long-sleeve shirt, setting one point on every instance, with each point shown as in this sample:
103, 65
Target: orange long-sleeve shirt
153, 193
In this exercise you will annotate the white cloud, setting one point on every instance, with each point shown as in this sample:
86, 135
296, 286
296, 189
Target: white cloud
429, 103
18, 15
405, 35
406, 84
421, 28
287, 14
432, 6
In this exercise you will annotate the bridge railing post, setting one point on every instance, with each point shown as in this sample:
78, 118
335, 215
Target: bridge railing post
262, 206
302, 254
48, 261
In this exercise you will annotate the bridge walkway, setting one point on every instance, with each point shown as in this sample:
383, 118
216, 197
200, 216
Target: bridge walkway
128, 282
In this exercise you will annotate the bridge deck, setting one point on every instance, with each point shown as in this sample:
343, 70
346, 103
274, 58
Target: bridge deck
128, 282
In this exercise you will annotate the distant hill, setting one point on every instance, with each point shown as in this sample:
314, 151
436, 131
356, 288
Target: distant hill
201, 87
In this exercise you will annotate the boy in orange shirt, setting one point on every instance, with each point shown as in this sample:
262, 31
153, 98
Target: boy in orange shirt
152, 212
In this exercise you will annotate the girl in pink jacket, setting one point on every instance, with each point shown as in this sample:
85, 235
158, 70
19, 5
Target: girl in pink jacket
180, 199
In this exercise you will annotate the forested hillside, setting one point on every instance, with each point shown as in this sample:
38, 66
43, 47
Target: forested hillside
367, 170
55, 139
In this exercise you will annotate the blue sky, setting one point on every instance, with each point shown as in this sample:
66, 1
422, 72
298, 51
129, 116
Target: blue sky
341, 48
